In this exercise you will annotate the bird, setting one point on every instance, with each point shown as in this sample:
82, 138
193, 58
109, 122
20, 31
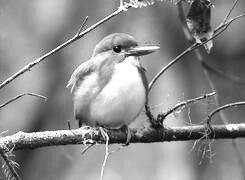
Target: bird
110, 89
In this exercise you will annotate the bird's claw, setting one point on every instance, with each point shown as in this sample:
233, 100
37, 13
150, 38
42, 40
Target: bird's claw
125, 128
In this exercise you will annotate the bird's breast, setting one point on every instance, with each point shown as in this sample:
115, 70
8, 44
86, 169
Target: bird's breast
122, 99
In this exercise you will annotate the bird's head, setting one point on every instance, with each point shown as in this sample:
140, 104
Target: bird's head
121, 45
112, 50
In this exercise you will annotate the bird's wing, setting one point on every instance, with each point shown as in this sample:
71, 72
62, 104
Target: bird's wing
78, 75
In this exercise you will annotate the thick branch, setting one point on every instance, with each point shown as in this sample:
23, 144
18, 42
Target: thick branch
88, 135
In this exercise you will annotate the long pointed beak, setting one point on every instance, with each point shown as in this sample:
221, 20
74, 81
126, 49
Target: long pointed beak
142, 50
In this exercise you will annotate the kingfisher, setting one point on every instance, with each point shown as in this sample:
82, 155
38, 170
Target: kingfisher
110, 89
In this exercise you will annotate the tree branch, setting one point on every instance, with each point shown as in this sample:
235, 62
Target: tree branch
186, 103
207, 68
73, 39
21, 95
88, 135
221, 28
226, 106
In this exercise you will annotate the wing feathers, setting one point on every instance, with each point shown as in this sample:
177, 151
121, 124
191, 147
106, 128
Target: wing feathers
78, 75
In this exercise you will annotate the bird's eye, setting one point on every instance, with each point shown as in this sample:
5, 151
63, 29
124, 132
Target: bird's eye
117, 49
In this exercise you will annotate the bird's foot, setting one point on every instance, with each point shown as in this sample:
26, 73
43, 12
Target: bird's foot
125, 128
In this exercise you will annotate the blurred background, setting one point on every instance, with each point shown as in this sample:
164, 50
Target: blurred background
28, 29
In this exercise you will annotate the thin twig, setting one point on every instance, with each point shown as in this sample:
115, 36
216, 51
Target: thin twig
230, 11
10, 165
236, 104
194, 46
175, 60
190, 39
222, 114
21, 95
123, 7
224, 24
58, 48
188, 34
69, 124
207, 67
81, 27
186, 103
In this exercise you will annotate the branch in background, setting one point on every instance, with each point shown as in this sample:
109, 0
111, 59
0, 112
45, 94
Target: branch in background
235, 144
221, 28
175, 60
73, 39
88, 135
183, 104
207, 68
124, 6
236, 104
229, 13
158, 122
81, 27
21, 95
191, 40
230, 77
193, 47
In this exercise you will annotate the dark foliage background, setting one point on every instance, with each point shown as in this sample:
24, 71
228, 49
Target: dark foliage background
28, 29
